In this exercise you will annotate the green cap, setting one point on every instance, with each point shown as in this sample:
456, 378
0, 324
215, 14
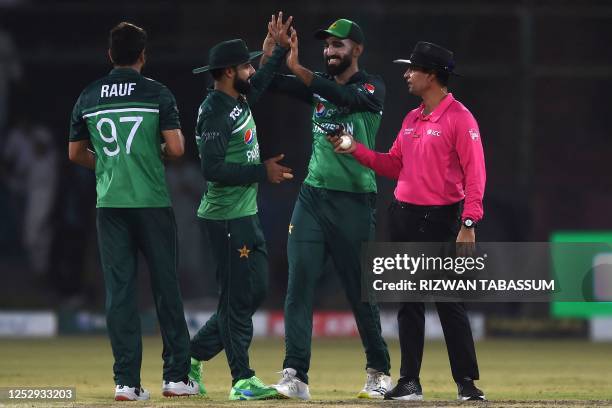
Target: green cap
342, 29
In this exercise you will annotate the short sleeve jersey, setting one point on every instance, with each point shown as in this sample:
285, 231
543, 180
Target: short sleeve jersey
123, 114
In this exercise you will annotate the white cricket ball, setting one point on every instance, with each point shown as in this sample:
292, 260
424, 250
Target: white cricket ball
346, 142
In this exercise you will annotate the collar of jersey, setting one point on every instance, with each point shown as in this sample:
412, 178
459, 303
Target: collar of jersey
228, 100
124, 71
439, 111
358, 76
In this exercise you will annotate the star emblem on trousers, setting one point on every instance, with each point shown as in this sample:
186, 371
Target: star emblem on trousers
244, 251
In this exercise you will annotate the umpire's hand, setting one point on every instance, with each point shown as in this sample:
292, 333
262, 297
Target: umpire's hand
466, 242
277, 173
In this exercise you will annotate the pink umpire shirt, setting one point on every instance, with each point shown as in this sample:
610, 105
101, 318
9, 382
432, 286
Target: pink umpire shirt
437, 159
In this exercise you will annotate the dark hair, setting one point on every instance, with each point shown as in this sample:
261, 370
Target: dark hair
217, 73
442, 77
126, 41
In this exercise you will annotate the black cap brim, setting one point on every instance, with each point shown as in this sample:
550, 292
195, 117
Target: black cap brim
411, 64
206, 68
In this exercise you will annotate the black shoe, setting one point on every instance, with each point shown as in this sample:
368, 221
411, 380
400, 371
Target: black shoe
407, 389
467, 391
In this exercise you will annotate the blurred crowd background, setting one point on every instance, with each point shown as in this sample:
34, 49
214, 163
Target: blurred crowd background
535, 75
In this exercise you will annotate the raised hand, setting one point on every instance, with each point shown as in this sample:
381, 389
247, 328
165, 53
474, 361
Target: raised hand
277, 173
279, 30
292, 57
269, 41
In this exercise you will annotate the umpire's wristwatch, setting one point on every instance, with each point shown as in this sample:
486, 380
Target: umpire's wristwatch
468, 223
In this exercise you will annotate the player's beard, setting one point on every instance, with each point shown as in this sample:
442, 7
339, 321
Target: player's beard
334, 70
242, 86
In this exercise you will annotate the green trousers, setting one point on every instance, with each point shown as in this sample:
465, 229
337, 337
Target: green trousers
122, 233
239, 251
327, 223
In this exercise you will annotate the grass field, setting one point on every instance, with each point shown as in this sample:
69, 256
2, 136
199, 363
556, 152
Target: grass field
514, 373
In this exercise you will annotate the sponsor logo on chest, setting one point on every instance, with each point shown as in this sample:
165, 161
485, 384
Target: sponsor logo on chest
430, 132
410, 132
434, 132
250, 140
249, 136
322, 110
319, 110
252, 154
235, 113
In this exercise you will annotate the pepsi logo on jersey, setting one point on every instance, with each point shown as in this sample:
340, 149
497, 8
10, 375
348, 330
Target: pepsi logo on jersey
319, 110
249, 136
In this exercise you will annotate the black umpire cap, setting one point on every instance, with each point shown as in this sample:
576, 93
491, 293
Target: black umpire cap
430, 56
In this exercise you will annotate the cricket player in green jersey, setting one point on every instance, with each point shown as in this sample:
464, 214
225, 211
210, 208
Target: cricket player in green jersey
226, 136
335, 210
125, 117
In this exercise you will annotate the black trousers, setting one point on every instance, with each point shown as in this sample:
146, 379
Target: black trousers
411, 223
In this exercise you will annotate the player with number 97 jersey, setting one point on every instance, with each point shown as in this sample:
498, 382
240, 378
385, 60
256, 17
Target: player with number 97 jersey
123, 115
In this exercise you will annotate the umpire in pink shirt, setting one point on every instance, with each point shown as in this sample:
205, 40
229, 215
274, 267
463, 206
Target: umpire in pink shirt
438, 162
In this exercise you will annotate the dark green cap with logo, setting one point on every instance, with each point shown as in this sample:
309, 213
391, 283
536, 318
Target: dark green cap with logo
342, 29
228, 54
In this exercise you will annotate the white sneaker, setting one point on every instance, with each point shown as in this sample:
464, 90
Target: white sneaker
125, 393
377, 384
180, 388
291, 387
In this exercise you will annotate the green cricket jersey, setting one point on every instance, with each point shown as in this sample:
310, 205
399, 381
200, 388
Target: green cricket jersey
226, 136
123, 115
358, 106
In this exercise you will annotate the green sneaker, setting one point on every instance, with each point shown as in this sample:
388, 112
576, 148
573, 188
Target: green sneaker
252, 389
195, 375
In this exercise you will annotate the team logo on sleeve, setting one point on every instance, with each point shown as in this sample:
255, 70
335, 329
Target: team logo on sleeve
370, 88
474, 134
319, 110
249, 136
